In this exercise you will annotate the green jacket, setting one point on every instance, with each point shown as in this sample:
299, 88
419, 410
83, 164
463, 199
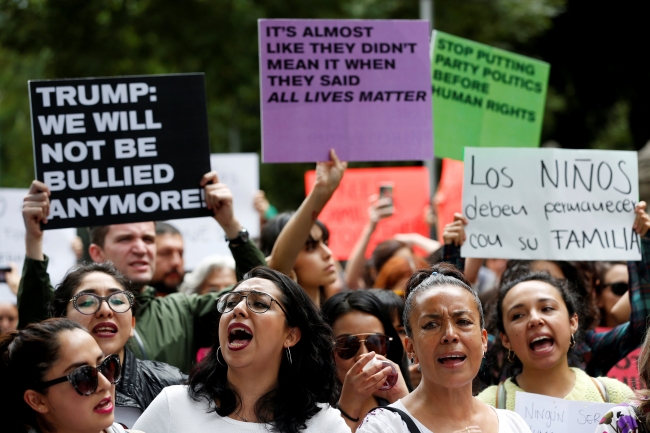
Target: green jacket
169, 329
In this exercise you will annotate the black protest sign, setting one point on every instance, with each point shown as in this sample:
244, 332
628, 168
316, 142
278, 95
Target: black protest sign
121, 149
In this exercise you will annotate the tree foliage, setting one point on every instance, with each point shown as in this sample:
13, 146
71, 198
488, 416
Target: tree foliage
597, 95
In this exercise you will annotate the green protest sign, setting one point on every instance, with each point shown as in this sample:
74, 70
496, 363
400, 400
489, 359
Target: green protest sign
484, 96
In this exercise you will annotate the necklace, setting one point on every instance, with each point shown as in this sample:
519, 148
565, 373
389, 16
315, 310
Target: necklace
239, 416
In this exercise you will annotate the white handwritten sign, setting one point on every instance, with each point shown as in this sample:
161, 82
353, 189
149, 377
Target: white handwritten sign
57, 244
552, 204
203, 236
545, 414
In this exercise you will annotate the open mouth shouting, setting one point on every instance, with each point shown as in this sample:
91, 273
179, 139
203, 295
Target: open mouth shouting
239, 336
452, 359
541, 344
105, 330
104, 406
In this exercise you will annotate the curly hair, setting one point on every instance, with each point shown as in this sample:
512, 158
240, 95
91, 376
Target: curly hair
441, 274
65, 290
309, 380
25, 358
569, 297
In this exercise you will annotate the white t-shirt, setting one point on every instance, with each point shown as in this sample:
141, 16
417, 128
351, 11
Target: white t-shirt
173, 411
385, 421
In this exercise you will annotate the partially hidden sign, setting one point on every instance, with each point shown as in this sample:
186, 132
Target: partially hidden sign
362, 87
449, 197
204, 237
347, 211
484, 96
550, 204
545, 414
122, 149
57, 244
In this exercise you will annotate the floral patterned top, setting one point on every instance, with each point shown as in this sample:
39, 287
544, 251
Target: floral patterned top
621, 419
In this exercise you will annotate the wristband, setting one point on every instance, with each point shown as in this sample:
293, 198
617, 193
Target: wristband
345, 414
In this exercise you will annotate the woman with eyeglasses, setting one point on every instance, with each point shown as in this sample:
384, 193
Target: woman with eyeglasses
56, 379
445, 334
100, 298
270, 368
364, 333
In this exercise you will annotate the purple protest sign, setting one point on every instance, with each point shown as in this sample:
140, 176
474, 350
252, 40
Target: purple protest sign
362, 87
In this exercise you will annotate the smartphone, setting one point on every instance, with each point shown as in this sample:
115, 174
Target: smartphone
386, 190
3, 271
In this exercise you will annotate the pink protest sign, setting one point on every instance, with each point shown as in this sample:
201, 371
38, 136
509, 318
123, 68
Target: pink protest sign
362, 87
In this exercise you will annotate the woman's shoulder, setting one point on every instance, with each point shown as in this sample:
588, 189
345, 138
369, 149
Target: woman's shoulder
489, 395
383, 420
328, 419
587, 388
511, 422
614, 421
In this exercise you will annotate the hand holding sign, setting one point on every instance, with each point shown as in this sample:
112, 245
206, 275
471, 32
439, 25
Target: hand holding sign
642, 220
218, 198
36, 208
455, 231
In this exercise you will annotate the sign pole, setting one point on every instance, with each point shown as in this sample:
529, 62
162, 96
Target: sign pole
426, 13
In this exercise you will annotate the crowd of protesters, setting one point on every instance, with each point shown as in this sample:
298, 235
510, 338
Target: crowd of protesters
279, 336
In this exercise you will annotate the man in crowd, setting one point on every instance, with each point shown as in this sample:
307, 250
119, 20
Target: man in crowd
170, 267
168, 329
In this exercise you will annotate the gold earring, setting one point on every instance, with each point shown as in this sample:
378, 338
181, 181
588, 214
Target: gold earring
511, 358
573, 342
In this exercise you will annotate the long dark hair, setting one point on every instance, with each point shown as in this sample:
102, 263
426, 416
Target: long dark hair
73, 279
309, 380
366, 302
25, 358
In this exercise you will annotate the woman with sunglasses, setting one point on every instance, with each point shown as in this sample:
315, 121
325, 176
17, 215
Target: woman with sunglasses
270, 368
100, 298
364, 333
445, 334
612, 284
56, 379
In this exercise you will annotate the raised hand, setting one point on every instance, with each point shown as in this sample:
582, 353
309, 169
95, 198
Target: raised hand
642, 220
454, 232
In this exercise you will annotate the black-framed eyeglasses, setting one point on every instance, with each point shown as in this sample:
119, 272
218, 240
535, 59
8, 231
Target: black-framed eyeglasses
257, 302
90, 303
618, 289
347, 346
85, 380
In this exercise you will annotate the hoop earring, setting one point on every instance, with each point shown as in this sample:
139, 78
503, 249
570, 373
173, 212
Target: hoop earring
289, 357
511, 358
219, 350
573, 342
412, 359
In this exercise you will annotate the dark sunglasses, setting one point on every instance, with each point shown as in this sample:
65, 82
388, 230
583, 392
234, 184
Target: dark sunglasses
618, 289
348, 345
85, 380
